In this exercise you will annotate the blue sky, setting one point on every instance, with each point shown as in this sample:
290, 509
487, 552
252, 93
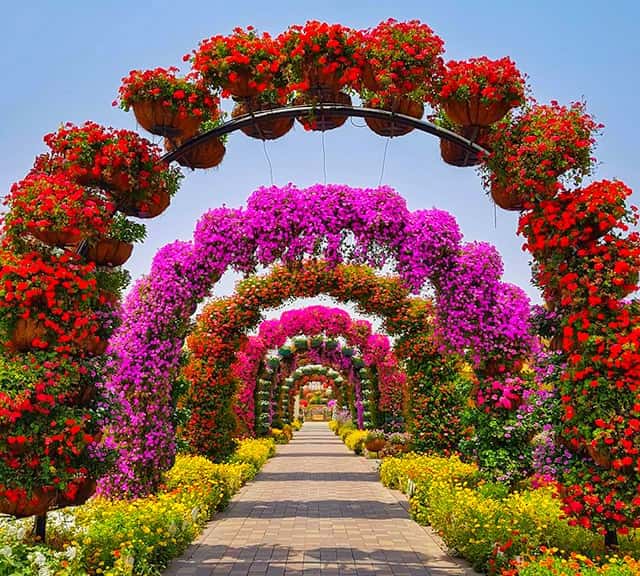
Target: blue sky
64, 60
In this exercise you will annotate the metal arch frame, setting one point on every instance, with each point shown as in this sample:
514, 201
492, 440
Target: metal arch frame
322, 109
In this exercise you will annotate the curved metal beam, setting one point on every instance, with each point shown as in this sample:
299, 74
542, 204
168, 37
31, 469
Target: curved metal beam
333, 109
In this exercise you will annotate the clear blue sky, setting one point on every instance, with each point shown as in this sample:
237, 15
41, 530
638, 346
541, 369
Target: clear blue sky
64, 60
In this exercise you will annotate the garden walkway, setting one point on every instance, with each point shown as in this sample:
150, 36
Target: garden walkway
315, 509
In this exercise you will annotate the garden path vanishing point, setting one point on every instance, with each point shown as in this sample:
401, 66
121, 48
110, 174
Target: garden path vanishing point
315, 509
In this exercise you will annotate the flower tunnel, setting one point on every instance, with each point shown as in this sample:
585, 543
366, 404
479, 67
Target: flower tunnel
475, 313
358, 387
67, 233
321, 330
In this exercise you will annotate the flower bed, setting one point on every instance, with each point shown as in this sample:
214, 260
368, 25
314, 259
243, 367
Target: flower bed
487, 525
135, 537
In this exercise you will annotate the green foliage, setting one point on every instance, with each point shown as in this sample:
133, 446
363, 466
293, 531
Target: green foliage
126, 230
439, 393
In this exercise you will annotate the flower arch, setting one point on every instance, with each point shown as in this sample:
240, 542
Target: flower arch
586, 262
350, 385
475, 312
318, 322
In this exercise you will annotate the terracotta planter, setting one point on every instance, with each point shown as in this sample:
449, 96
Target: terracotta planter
239, 88
269, 129
109, 252
161, 120
320, 80
375, 445
84, 396
112, 180
320, 120
95, 345
36, 505
507, 199
474, 113
599, 455
145, 209
86, 489
400, 105
556, 342
25, 331
55, 238
205, 155
456, 155
368, 78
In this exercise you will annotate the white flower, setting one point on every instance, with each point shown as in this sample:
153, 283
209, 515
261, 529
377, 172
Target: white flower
6, 551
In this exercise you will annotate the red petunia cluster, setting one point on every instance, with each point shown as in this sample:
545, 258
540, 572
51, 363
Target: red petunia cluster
184, 96
587, 261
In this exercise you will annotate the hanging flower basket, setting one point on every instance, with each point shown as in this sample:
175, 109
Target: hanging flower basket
456, 155
161, 120
86, 487
57, 237
508, 198
95, 345
36, 505
267, 129
399, 105
375, 445
25, 331
319, 77
109, 252
149, 208
239, 84
480, 91
474, 113
207, 154
320, 120
599, 455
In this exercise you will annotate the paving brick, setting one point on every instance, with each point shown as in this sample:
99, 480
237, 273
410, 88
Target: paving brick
315, 510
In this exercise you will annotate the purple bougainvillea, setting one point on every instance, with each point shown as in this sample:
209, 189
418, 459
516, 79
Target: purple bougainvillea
477, 314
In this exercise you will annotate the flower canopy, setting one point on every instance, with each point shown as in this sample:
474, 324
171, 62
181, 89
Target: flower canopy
340, 224
375, 350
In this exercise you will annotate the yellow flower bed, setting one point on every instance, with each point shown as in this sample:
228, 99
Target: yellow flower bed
396, 471
137, 537
195, 470
484, 523
254, 452
355, 440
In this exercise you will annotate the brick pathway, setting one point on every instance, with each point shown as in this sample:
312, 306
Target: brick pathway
315, 509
